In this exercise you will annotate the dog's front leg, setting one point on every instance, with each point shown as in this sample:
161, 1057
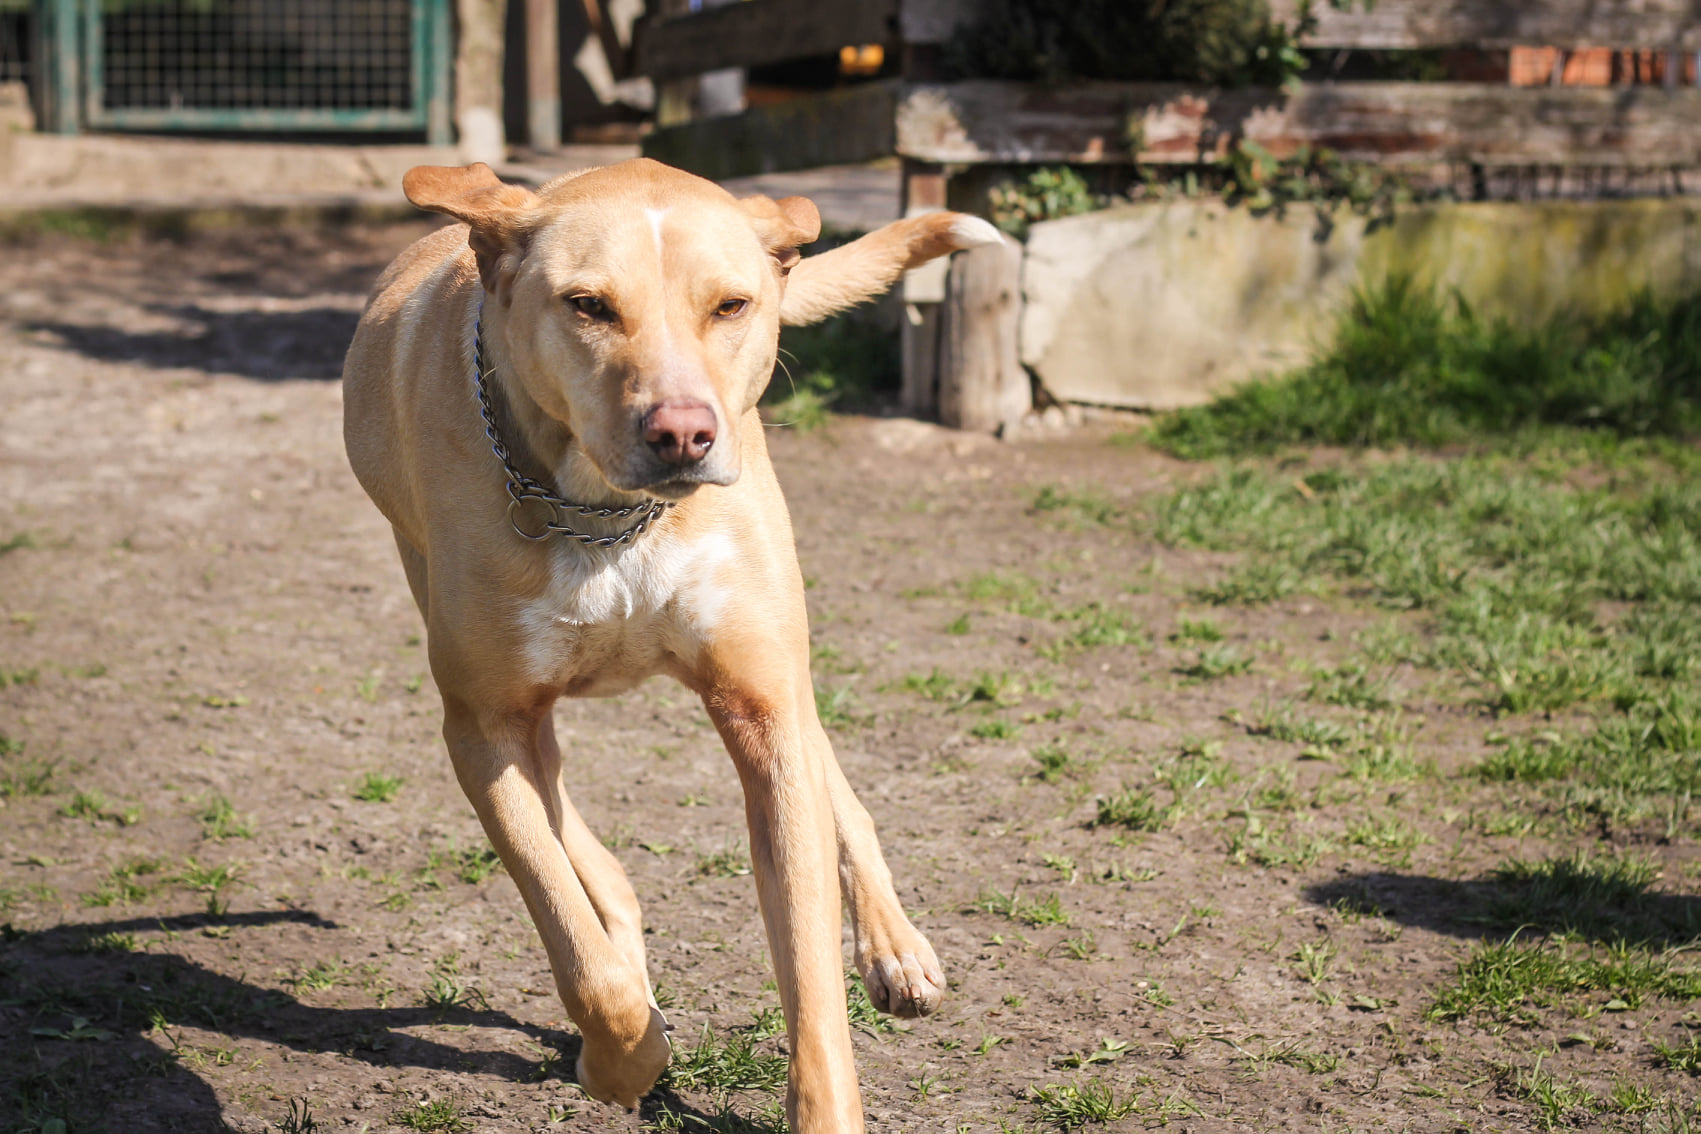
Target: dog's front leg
507, 778
896, 963
792, 841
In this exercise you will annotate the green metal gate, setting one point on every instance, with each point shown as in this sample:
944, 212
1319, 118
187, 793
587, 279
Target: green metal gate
249, 65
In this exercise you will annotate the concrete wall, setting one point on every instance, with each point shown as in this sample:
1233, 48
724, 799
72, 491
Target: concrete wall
1163, 305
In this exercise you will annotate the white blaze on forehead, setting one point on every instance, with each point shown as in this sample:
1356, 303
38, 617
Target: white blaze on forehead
656, 217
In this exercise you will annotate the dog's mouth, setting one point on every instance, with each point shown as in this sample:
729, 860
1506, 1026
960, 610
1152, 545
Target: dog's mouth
673, 483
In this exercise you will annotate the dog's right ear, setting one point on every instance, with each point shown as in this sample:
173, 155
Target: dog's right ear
494, 210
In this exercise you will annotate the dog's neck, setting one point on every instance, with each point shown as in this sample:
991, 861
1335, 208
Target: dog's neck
540, 446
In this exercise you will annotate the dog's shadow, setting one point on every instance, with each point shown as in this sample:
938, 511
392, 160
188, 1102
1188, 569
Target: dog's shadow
265, 345
89, 1029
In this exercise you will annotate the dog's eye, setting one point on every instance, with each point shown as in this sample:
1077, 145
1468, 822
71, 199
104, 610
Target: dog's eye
590, 305
731, 307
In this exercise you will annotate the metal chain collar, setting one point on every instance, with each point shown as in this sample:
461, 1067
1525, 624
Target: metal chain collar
526, 495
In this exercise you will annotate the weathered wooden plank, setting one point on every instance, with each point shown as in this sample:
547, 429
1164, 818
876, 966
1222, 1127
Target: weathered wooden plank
759, 31
982, 385
1502, 23
845, 127
986, 121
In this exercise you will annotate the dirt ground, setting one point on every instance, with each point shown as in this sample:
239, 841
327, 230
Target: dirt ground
208, 657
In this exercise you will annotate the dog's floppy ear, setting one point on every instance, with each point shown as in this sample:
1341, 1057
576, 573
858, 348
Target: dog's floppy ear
494, 210
783, 226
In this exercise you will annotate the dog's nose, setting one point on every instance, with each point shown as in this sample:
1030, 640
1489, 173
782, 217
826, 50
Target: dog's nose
681, 433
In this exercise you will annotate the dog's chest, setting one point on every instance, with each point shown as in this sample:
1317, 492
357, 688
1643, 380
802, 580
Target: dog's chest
608, 619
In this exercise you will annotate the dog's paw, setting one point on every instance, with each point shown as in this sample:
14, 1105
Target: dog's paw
617, 1073
903, 978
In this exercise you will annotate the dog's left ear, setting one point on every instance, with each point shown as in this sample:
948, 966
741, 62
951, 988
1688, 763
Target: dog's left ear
783, 226
493, 209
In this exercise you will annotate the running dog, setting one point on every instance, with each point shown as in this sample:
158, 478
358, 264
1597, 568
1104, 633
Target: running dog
554, 405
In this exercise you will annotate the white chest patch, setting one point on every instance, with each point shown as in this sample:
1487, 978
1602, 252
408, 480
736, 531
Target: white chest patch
613, 617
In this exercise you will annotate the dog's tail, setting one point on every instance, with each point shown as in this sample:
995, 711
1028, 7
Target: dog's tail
853, 273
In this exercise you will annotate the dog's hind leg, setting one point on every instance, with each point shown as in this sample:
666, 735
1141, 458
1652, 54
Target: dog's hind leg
503, 773
897, 965
601, 874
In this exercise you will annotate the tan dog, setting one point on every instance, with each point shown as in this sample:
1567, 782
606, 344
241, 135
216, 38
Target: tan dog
628, 320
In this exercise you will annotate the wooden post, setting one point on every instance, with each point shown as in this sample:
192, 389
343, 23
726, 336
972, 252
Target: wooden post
478, 80
924, 290
543, 75
982, 384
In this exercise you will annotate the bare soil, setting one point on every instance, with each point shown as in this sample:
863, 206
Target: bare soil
197, 602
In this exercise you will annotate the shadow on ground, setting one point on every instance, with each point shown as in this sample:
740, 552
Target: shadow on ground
77, 1011
76, 1008
1492, 907
264, 345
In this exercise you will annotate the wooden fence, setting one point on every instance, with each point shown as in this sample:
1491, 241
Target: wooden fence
1536, 111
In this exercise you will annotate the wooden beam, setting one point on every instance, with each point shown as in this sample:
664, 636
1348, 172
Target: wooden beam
987, 121
755, 32
1409, 24
844, 127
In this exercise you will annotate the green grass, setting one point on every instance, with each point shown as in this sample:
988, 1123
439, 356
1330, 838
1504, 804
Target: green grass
1509, 568
1407, 367
1070, 1106
1033, 912
842, 363
723, 1065
1512, 982
376, 787
439, 1115
219, 820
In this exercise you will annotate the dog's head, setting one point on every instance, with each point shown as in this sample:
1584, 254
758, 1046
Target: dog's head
640, 307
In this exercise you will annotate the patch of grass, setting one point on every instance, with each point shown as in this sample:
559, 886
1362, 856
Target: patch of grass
319, 977
1259, 843
1008, 590
1600, 896
1135, 809
996, 728
725, 1065
1512, 982
24, 777
376, 787
999, 690
729, 862
18, 541
1094, 625
1056, 763
1070, 1106
1555, 1099
439, 1116
1196, 630
1509, 569
471, 865
219, 820
834, 706
1217, 661
863, 1015
843, 363
1353, 685
1033, 912
1409, 368
298, 1119
127, 882
1086, 508
1684, 1055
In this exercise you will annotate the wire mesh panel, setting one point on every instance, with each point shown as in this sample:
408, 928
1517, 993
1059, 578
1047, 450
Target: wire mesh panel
243, 64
